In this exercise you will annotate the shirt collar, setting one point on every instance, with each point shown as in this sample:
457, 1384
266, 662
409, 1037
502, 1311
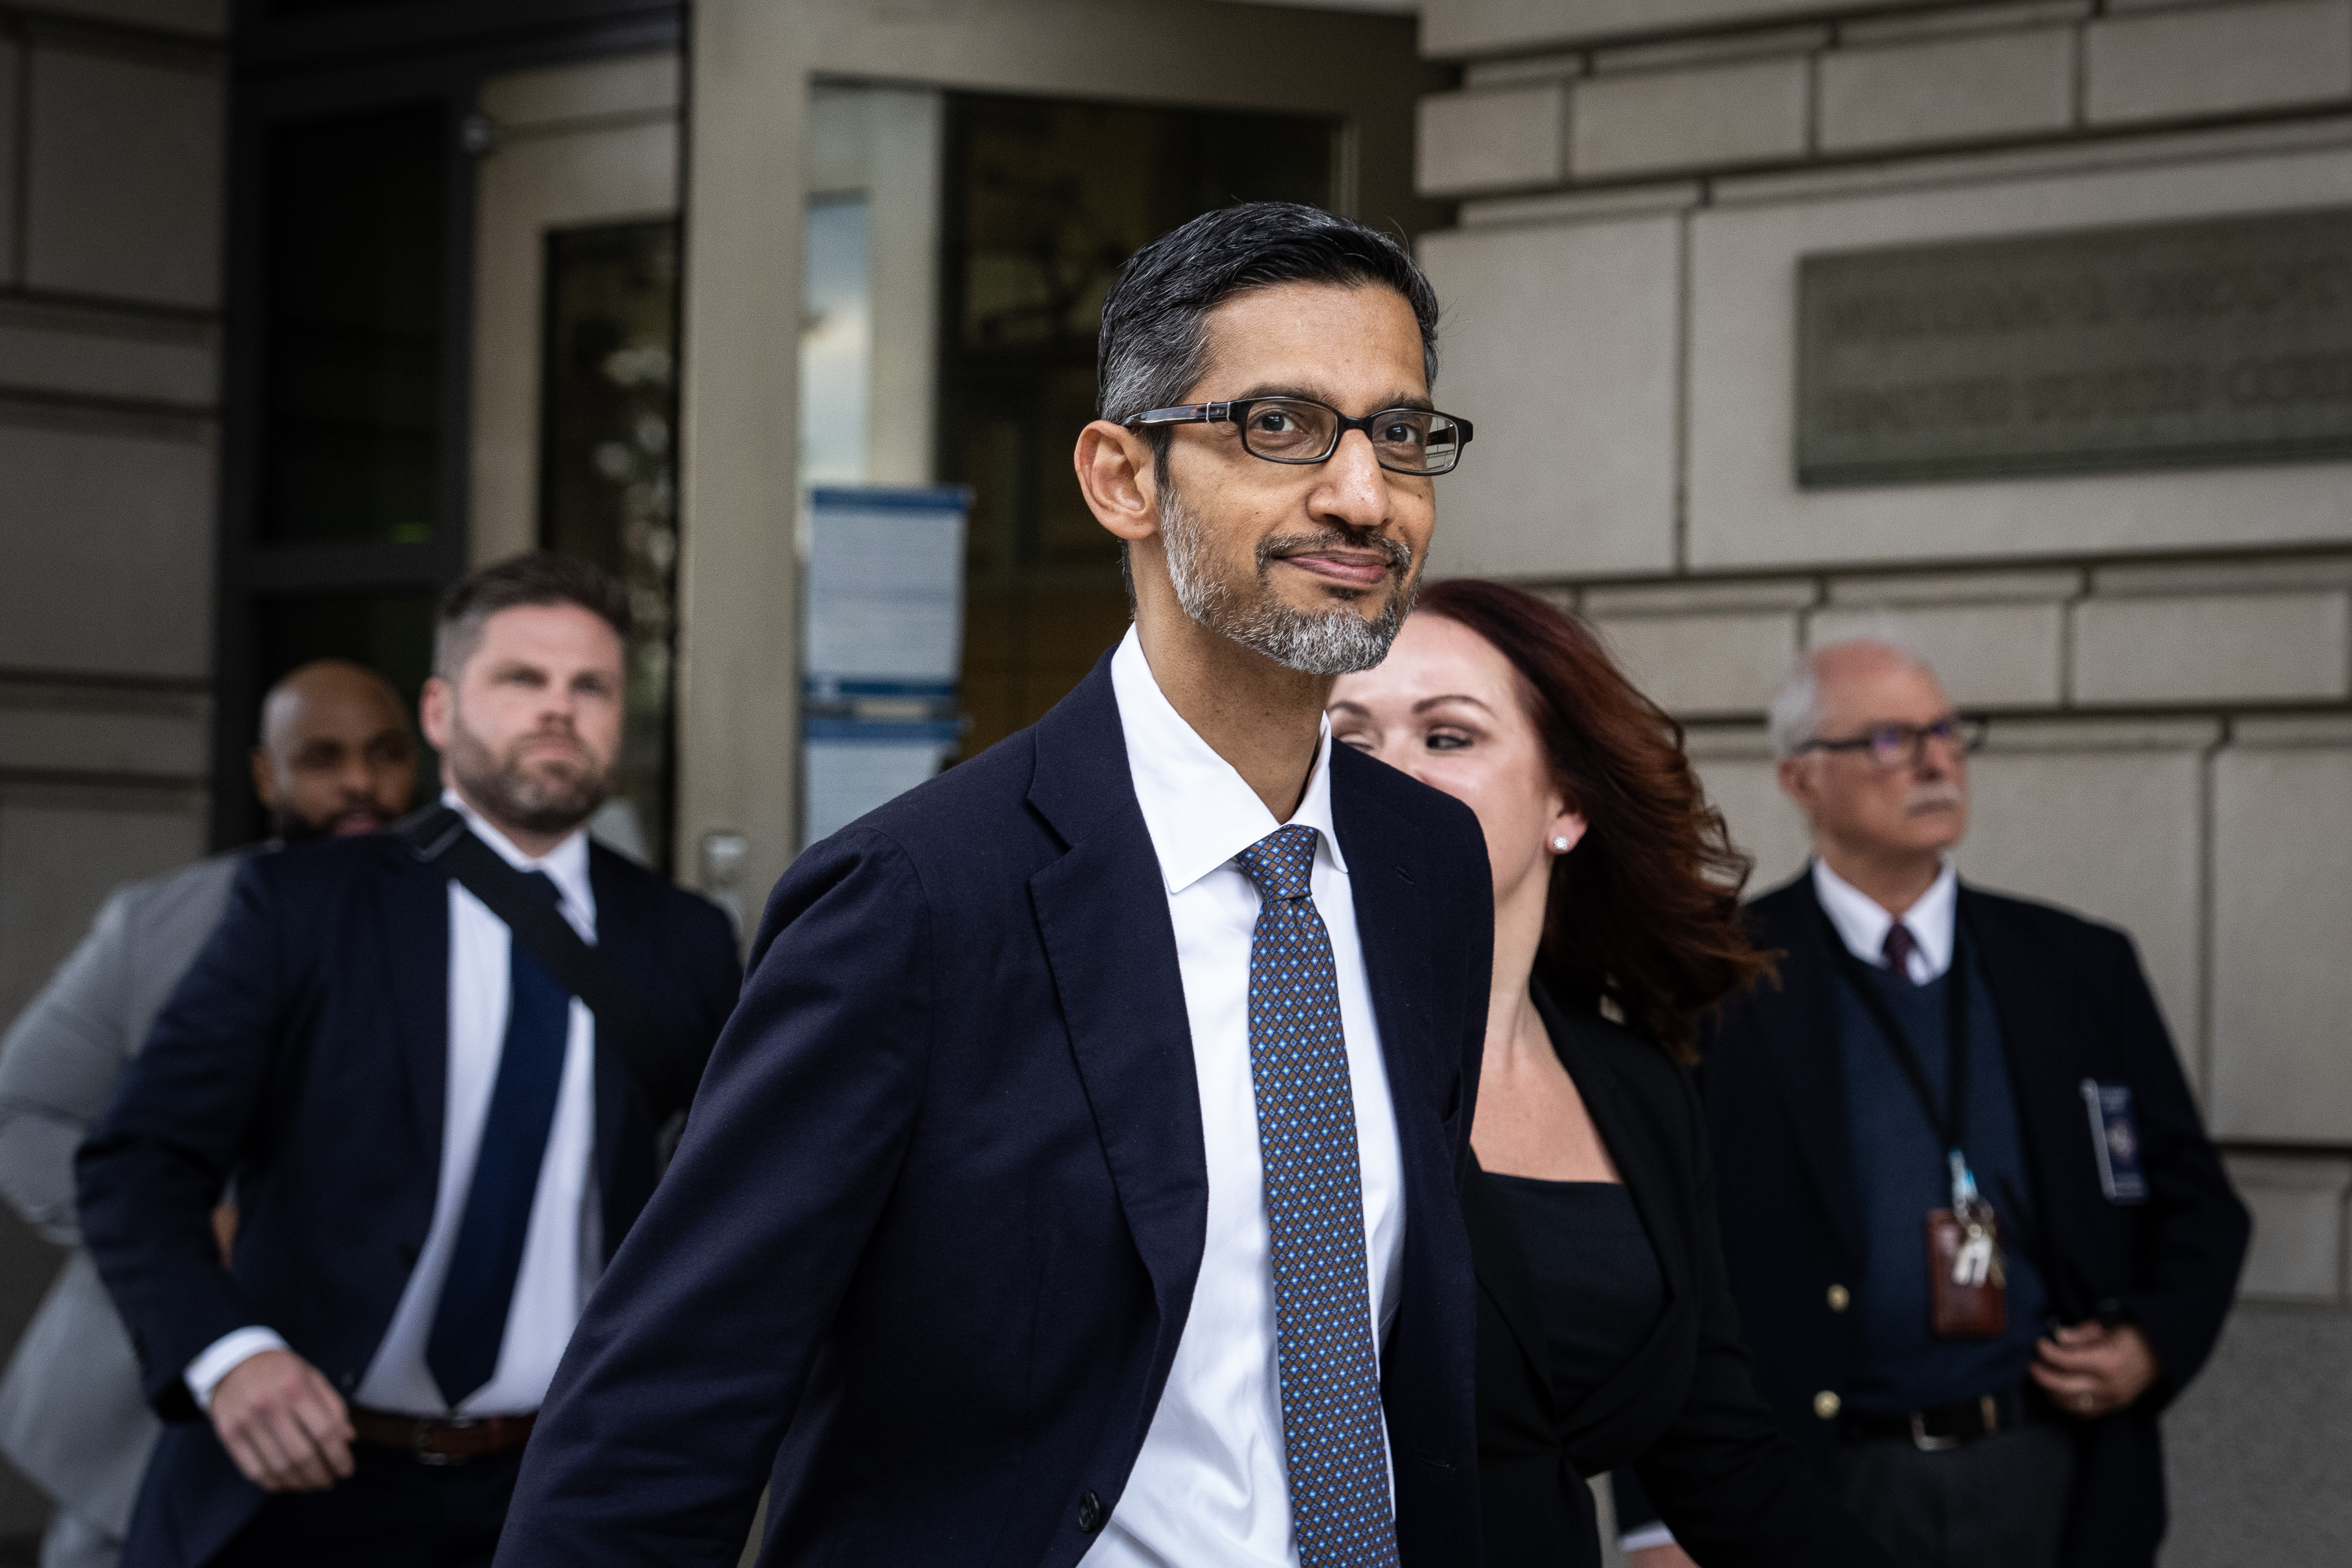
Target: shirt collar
566, 865
1863, 923
1197, 807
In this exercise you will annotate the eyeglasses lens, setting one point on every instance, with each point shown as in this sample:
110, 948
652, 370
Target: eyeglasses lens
1406, 440
1891, 743
1289, 432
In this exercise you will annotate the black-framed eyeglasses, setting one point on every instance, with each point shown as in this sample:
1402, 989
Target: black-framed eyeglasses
1299, 430
1892, 745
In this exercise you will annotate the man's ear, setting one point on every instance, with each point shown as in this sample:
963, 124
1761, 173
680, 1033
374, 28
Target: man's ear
1116, 476
434, 705
1797, 781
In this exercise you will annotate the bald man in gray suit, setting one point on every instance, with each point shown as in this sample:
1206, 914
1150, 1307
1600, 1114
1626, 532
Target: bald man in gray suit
336, 756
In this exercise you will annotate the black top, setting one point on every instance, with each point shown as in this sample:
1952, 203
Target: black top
2071, 1004
1674, 1400
1595, 1271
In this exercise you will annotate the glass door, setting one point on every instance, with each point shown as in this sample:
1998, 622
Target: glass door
575, 370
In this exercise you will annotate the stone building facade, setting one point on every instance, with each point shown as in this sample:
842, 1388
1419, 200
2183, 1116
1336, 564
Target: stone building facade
2165, 654
111, 205
1623, 192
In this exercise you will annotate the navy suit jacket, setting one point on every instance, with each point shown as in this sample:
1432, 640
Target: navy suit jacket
2072, 1005
305, 1057
932, 1234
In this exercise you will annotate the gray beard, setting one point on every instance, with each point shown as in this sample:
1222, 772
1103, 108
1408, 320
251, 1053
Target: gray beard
1337, 642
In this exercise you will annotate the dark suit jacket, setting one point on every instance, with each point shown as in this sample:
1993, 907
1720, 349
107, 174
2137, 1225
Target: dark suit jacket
932, 1234
2072, 1005
305, 1056
1732, 1486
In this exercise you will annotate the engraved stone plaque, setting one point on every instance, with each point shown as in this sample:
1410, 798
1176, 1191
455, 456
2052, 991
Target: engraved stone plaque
2159, 345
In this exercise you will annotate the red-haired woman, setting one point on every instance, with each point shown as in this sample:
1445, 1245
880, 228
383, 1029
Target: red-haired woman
1606, 1332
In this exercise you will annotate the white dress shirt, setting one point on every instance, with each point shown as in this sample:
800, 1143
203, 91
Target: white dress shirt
563, 1249
1211, 1484
1863, 922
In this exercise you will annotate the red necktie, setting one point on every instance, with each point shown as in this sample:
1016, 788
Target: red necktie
1900, 945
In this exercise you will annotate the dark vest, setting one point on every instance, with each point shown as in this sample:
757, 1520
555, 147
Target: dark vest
1899, 1163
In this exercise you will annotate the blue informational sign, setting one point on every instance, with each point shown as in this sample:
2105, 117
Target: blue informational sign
884, 648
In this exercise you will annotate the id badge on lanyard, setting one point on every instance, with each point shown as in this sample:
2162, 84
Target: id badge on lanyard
1967, 1283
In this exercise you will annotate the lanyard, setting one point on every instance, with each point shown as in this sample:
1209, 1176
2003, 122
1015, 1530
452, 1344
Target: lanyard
1950, 1122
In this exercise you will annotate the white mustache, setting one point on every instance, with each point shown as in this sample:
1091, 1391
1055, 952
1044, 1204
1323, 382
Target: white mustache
1932, 798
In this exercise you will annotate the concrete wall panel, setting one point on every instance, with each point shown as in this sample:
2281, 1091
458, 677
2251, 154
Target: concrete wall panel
86, 740
1558, 347
1948, 89
1455, 28
2215, 60
2298, 1206
1648, 122
107, 353
110, 551
1743, 782
1704, 664
1492, 139
2104, 821
1745, 510
2215, 648
2282, 925
124, 195
11, 76
1988, 655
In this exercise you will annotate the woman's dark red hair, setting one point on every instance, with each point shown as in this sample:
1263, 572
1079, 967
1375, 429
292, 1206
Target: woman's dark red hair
1645, 912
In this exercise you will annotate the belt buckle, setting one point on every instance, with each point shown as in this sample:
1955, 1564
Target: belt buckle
1923, 1442
428, 1427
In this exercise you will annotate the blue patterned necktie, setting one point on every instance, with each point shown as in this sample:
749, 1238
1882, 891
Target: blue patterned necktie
1332, 1430
470, 1321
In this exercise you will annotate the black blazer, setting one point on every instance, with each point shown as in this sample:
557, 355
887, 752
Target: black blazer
305, 1056
1681, 1408
2072, 1005
928, 1245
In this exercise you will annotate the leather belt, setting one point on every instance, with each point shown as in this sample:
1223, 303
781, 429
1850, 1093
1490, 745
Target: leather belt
443, 1439
1946, 1426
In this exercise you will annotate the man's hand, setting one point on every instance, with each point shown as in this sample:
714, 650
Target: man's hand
283, 1423
2091, 1371
1667, 1556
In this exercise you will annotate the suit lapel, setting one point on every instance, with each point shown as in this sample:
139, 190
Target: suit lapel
1102, 914
414, 903
625, 944
1383, 851
1803, 1036
2042, 1082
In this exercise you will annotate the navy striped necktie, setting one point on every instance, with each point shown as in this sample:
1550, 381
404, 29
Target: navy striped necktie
470, 1322
1333, 1434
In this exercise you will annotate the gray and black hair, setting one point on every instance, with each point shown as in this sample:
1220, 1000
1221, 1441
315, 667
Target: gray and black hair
541, 577
1795, 714
1154, 341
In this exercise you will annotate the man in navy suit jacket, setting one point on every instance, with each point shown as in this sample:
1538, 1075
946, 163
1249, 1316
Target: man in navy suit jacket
433, 1146
969, 1252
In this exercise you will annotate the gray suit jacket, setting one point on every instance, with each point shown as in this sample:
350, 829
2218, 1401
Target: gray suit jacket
71, 1414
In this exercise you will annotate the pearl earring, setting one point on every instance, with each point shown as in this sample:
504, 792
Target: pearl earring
1560, 846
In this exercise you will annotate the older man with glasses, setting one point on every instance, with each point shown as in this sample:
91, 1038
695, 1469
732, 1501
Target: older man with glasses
1976, 1231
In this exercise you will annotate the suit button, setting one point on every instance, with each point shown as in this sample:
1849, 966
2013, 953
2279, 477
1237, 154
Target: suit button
1091, 1512
1840, 1298
1826, 1404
